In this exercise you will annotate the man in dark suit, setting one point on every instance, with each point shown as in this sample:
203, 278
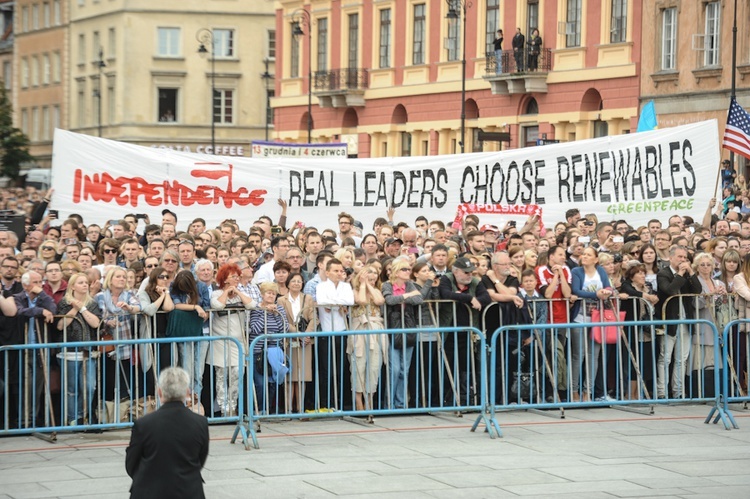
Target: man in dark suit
168, 447
670, 281
518, 43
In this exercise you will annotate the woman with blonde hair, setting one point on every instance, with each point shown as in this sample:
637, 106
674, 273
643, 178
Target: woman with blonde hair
368, 352
81, 318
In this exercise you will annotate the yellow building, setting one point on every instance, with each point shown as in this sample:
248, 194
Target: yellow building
133, 70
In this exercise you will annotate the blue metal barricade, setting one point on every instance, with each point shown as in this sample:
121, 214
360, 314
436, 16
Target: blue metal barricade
370, 393
530, 385
118, 393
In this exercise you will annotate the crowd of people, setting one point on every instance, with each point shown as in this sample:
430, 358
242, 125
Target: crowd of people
77, 280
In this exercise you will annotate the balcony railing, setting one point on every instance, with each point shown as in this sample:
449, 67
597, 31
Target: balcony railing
519, 63
341, 80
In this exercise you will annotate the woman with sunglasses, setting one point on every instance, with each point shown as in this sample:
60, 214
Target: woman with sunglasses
48, 251
228, 319
156, 303
401, 299
80, 319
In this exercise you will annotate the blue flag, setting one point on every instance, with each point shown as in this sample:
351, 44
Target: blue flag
647, 121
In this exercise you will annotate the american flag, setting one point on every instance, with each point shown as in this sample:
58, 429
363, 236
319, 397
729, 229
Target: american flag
737, 132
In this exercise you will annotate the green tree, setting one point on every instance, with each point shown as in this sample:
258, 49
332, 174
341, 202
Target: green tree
14, 144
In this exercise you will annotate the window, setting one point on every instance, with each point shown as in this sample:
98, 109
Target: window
712, 36
668, 38
530, 136
451, 41
35, 71
294, 57
24, 19
405, 144
532, 16
7, 74
167, 104
269, 110
81, 48
601, 129
322, 50
57, 12
618, 29
24, 73
46, 70
55, 117
111, 100
492, 24
385, 38
353, 59
34, 19
272, 44
46, 14
45, 124
96, 45
81, 91
25, 121
111, 43
223, 42
573, 24
223, 105
168, 42
418, 48
56, 67
35, 123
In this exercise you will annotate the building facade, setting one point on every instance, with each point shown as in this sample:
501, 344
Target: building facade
687, 60
387, 75
189, 75
40, 78
6, 44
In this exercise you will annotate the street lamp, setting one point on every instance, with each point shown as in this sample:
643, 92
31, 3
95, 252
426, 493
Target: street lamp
454, 14
206, 37
266, 78
100, 64
301, 17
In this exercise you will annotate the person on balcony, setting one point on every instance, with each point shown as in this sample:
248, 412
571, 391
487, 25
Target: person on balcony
535, 46
518, 42
498, 45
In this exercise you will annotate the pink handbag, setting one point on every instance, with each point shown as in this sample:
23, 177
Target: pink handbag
610, 333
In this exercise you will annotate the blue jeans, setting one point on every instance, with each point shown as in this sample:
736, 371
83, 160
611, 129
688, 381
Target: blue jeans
400, 360
74, 386
498, 62
192, 358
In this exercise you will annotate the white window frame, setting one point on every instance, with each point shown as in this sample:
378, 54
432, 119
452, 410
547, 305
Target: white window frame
669, 39
224, 40
222, 117
712, 36
168, 41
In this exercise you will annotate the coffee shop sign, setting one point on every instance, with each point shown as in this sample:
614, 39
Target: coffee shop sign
204, 149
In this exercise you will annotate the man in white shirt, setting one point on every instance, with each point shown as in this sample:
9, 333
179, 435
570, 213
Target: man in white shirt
279, 246
334, 295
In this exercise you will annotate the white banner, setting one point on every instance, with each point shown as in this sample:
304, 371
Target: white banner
635, 177
261, 149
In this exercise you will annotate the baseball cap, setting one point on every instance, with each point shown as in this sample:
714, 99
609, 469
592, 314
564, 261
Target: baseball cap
165, 211
392, 240
463, 264
490, 227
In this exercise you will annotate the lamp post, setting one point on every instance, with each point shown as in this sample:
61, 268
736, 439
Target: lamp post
206, 37
266, 78
453, 14
100, 64
734, 69
301, 17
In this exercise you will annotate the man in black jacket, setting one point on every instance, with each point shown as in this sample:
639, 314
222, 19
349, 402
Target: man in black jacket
671, 281
518, 43
168, 447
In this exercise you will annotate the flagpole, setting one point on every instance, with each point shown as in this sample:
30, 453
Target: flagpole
734, 72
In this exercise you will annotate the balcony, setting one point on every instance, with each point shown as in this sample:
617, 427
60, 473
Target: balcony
341, 87
514, 76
